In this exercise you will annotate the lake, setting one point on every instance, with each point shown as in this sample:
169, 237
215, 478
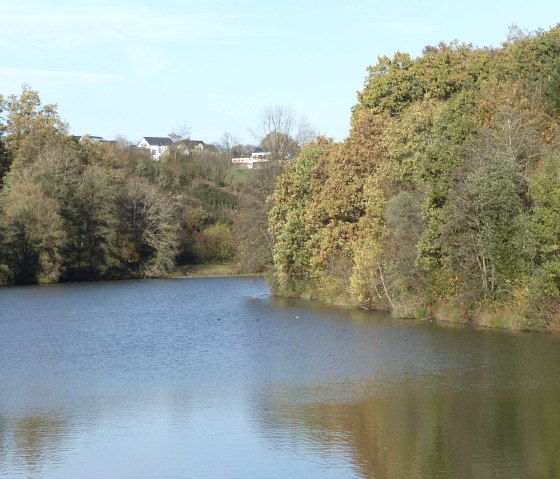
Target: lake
216, 378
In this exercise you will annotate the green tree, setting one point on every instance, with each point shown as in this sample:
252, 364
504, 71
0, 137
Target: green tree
90, 251
28, 125
404, 281
485, 226
551, 85
544, 287
290, 200
5, 161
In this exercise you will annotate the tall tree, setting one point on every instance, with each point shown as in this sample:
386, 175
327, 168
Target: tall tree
92, 223
250, 229
149, 233
290, 232
281, 133
28, 124
33, 234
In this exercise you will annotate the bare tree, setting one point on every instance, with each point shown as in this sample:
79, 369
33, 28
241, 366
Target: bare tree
150, 233
280, 132
182, 132
250, 229
227, 143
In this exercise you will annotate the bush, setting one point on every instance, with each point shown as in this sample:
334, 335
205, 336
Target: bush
214, 244
544, 297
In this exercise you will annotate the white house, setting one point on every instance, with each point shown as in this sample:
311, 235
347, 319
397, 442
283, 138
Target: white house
156, 144
253, 161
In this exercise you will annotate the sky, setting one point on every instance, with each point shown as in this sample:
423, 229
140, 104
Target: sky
149, 68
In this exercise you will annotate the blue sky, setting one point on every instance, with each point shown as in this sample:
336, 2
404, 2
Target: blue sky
146, 68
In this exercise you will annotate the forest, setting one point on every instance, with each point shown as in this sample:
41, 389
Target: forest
72, 209
444, 201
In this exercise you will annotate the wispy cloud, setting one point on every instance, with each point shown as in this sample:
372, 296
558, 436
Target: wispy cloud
74, 27
62, 43
60, 77
131, 40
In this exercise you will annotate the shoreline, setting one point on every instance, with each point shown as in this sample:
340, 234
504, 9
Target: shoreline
491, 317
221, 270
502, 317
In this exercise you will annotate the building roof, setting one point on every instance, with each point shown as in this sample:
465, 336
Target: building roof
158, 140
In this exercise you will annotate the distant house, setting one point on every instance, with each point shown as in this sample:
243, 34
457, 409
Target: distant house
156, 144
258, 157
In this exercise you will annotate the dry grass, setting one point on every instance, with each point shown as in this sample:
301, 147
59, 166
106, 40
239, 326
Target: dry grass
207, 271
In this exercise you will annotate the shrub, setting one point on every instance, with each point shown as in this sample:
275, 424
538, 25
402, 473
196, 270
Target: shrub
214, 244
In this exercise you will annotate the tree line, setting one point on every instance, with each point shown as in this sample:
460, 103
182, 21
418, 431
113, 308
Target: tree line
74, 209
444, 201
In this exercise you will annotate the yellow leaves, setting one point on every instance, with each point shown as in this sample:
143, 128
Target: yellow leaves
334, 192
338, 179
388, 207
523, 98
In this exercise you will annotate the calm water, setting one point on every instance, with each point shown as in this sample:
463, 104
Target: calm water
214, 378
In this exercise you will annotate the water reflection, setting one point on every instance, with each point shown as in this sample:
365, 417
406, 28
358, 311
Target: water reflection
37, 437
494, 411
426, 433
255, 387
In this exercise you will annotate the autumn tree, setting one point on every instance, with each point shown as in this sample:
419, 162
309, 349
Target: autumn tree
443, 196
28, 124
250, 229
148, 231
287, 225
214, 244
32, 233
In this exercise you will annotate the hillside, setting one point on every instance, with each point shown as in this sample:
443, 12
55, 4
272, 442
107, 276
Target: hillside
75, 209
444, 201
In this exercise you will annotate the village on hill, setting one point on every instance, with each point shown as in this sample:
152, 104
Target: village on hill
159, 145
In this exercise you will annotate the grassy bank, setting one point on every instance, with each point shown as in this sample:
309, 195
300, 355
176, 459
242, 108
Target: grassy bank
506, 315
496, 316
207, 271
